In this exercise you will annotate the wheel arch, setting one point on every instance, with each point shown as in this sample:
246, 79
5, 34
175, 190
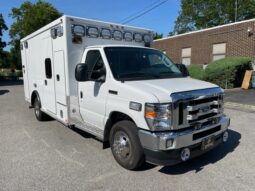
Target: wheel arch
114, 117
34, 95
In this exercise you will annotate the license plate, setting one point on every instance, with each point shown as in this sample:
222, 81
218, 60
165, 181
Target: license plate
207, 143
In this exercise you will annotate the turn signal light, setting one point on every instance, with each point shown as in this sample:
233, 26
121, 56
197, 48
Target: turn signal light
150, 114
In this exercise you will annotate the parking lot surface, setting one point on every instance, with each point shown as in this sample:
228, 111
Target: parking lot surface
240, 96
49, 156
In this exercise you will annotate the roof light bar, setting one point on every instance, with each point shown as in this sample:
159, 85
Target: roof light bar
128, 36
117, 35
105, 33
93, 32
138, 37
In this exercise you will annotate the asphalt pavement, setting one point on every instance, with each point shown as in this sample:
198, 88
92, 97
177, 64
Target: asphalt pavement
240, 96
49, 156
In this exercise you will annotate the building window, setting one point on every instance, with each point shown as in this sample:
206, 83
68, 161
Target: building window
219, 51
186, 56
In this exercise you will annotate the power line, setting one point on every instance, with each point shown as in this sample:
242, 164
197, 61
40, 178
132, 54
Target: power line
144, 12
123, 20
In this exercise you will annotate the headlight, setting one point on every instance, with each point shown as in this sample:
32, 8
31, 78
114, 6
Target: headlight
158, 116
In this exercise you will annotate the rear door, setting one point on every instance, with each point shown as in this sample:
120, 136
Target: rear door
48, 100
25, 56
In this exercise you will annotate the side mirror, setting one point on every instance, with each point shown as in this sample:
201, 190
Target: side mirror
183, 68
81, 73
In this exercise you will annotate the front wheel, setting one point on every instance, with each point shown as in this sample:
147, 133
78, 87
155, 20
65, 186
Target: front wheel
125, 145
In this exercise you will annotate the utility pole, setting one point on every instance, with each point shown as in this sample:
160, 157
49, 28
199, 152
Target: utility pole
236, 10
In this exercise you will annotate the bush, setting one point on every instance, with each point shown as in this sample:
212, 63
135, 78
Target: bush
228, 72
196, 71
7, 74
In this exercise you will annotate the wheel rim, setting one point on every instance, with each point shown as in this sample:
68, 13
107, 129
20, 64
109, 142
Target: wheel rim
121, 145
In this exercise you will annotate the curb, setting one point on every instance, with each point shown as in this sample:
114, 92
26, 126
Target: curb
239, 106
232, 89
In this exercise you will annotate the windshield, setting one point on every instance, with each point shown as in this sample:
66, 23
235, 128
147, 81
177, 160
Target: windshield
129, 63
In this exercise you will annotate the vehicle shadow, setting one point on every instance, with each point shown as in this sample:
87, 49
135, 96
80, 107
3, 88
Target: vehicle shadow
2, 92
211, 157
11, 83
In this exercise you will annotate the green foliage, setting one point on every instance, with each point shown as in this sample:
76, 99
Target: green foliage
157, 36
28, 18
3, 27
5, 59
228, 72
8, 74
196, 71
199, 14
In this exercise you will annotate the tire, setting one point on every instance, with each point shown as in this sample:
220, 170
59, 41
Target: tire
125, 145
40, 116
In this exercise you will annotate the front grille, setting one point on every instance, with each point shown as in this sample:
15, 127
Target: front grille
197, 108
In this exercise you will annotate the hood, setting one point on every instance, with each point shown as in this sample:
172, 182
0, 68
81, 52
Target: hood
163, 88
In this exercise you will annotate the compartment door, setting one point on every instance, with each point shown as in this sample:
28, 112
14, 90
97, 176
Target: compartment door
48, 100
59, 67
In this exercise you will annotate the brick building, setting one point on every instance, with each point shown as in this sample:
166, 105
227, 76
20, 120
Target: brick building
204, 46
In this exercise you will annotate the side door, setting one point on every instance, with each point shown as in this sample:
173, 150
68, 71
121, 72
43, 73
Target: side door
93, 94
49, 97
59, 68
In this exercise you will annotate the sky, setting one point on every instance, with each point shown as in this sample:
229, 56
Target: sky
160, 19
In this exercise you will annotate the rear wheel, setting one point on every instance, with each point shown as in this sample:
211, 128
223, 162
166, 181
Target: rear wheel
40, 116
125, 145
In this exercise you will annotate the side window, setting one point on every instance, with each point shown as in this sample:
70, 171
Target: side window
48, 70
95, 63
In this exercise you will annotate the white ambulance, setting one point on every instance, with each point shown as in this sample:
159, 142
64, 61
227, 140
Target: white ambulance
105, 79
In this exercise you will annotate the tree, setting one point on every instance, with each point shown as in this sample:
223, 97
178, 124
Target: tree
28, 18
157, 36
199, 14
3, 28
3, 54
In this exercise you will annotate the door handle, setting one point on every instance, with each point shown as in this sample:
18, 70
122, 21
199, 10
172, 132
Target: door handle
81, 94
58, 77
45, 82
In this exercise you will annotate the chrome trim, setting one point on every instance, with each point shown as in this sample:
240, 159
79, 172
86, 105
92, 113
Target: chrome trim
182, 107
158, 141
196, 116
194, 108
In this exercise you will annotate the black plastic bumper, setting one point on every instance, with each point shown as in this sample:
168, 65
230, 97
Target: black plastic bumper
172, 157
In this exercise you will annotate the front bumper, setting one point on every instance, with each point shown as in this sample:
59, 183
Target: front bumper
163, 148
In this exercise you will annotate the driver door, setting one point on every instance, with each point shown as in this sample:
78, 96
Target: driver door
93, 94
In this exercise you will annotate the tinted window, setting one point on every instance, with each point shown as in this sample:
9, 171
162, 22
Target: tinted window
48, 70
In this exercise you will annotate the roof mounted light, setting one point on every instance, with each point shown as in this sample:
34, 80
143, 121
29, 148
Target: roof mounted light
105, 33
78, 30
138, 37
128, 36
117, 35
147, 38
92, 32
